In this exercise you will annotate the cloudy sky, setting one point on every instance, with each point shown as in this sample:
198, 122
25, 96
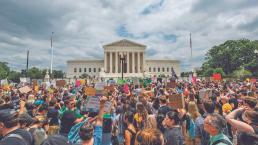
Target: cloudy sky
81, 27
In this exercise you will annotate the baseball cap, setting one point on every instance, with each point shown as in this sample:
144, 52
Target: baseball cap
7, 115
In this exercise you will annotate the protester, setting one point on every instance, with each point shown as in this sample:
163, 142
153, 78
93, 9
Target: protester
147, 113
173, 131
214, 124
10, 130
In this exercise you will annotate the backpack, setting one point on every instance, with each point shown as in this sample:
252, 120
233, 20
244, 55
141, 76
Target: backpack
38, 134
222, 141
16, 136
73, 135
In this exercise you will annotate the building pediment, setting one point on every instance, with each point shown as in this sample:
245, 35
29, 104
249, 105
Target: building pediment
124, 43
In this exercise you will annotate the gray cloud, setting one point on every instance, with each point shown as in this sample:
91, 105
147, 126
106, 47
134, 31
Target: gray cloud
81, 28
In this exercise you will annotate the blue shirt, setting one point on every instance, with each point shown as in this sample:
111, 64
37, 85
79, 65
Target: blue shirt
97, 135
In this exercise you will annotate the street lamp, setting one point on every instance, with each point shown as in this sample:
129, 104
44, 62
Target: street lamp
122, 59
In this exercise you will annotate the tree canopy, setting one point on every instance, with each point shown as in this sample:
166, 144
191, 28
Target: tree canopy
231, 56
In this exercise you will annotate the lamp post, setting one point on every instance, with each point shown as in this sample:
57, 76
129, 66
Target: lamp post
122, 59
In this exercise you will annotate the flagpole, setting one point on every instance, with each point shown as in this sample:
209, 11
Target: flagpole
52, 55
27, 64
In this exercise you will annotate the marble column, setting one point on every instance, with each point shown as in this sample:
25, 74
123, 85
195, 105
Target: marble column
133, 63
127, 62
111, 66
116, 60
138, 62
143, 62
105, 61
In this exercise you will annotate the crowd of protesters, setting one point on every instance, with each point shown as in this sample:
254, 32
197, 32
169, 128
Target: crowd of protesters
140, 116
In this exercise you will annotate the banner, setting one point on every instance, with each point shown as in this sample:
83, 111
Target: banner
176, 101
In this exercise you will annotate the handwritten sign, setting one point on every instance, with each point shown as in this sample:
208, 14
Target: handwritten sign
90, 91
171, 84
25, 89
60, 83
176, 101
93, 103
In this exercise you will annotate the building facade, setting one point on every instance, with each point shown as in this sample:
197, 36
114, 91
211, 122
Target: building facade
126, 55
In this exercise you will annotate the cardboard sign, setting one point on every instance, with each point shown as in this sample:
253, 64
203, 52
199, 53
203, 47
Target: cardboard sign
92, 104
90, 91
25, 89
24, 80
172, 84
60, 83
176, 101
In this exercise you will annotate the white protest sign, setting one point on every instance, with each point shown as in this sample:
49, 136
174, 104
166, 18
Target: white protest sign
92, 104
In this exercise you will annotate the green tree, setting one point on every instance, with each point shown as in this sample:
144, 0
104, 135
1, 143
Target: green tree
14, 76
35, 73
231, 55
4, 70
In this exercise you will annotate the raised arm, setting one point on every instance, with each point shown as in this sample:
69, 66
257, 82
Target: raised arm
239, 125
99, 120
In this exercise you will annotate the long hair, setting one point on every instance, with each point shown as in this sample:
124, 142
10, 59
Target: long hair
193, 110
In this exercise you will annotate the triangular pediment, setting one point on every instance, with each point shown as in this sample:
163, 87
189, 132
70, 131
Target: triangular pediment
124, 42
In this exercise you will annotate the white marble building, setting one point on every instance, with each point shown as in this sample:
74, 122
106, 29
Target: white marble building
135, 63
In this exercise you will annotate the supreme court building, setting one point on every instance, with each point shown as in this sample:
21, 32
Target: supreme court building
134, 60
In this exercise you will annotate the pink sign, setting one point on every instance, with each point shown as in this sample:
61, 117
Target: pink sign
77, 83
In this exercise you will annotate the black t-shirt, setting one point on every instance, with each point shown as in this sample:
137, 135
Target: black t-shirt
67, 122
23, 138
53, 116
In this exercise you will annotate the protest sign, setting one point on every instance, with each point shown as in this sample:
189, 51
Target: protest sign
24, 80
93, 103
135, 81
60, 83
253, 80
4, 82
77, 83
110, 88
89, 91
171, 84
203, 93
176, 101
25, 89
100, 88
217, 76
126, 88
16, 102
